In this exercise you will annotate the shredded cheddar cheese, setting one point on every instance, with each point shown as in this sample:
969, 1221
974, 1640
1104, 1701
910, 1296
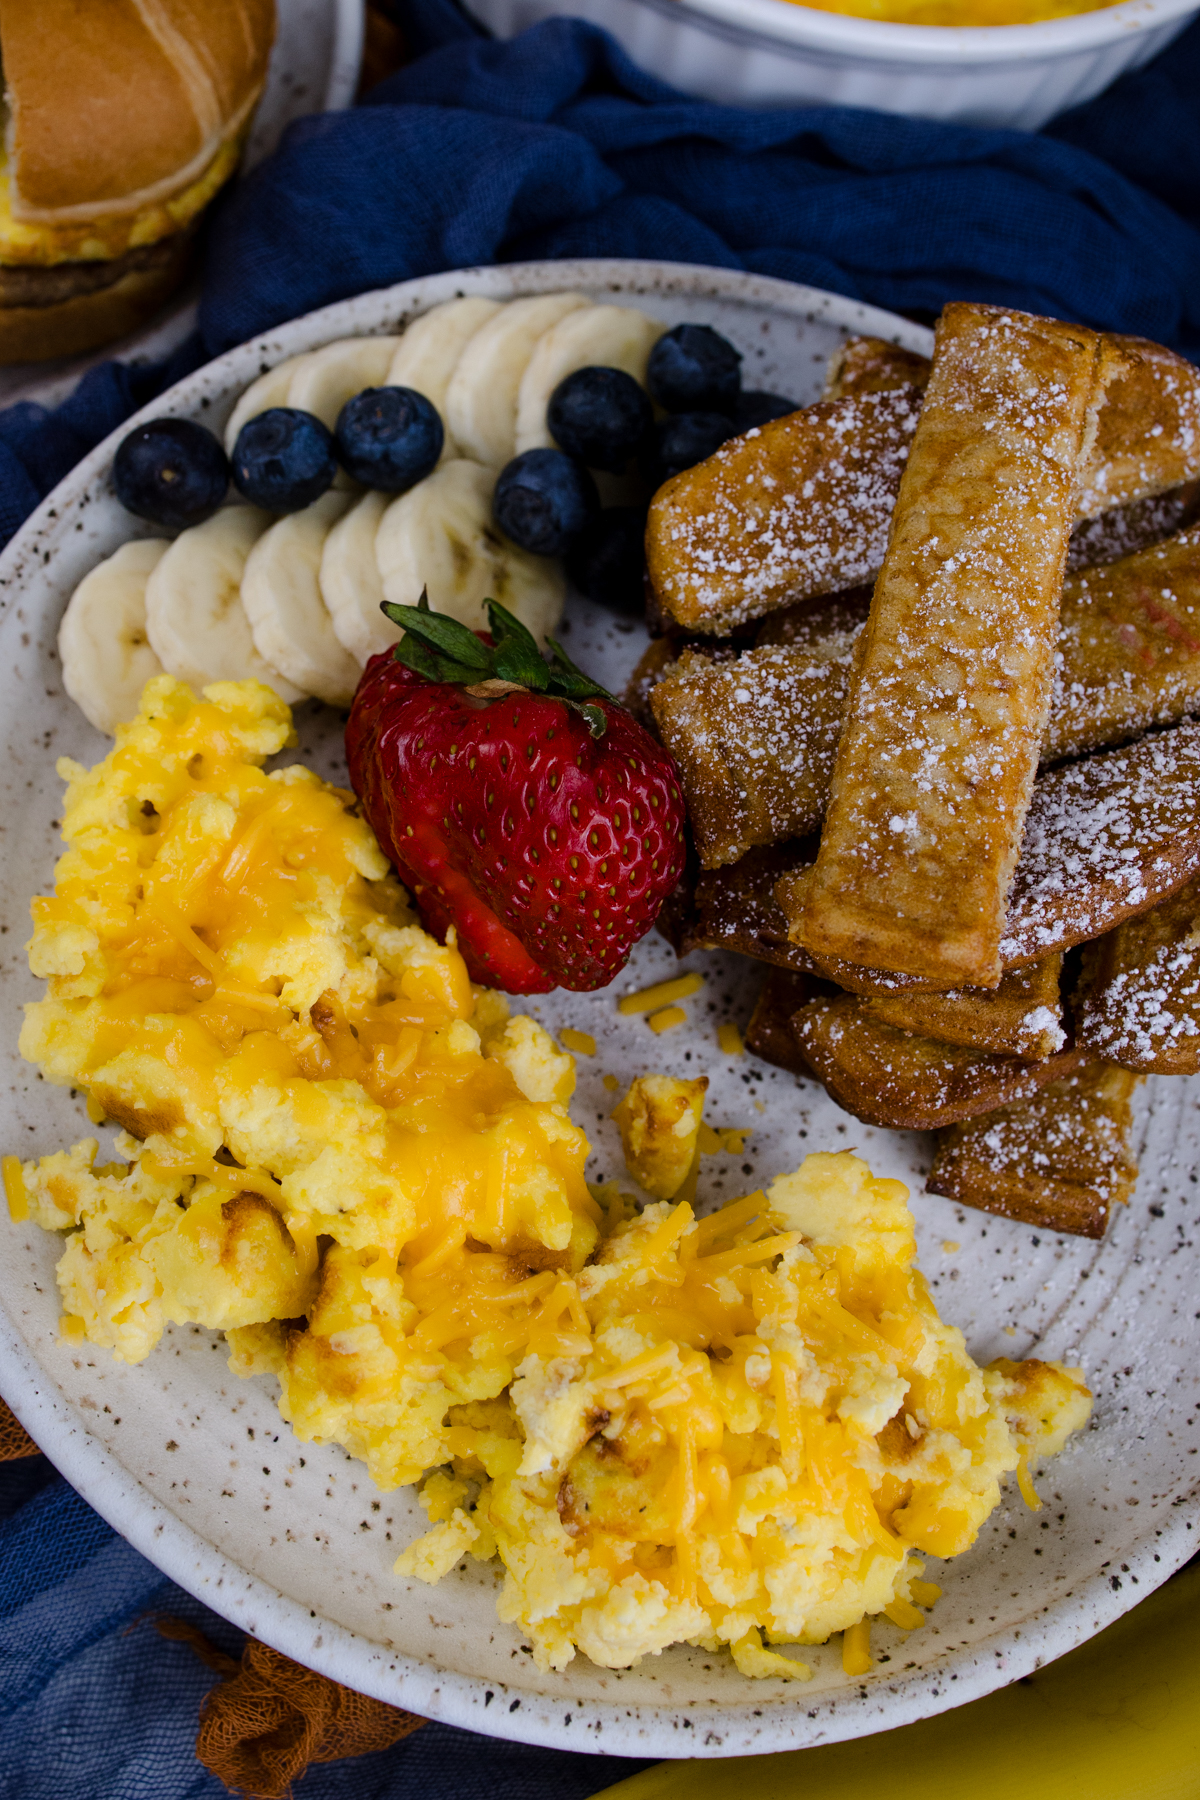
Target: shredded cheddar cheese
14, 1189
736, 1430
680, 987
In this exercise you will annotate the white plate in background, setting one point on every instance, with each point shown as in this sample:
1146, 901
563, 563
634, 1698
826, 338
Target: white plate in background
291, 1541
774, 53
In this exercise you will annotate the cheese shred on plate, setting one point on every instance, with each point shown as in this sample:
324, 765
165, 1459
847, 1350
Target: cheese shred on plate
742, 1429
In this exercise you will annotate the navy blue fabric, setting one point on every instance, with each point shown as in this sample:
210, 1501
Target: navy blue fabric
96, 1705
552, 145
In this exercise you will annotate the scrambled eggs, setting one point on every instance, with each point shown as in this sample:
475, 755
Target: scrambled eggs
736, 1430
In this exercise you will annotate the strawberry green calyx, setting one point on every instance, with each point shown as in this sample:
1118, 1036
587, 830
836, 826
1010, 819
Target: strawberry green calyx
441, 649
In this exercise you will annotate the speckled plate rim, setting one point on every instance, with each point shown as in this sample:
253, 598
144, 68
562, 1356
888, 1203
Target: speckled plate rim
187, 1557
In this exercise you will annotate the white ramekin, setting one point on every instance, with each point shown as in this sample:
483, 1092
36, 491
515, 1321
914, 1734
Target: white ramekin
772, 53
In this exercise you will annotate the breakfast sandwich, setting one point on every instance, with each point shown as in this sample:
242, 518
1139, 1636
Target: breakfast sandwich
125, 118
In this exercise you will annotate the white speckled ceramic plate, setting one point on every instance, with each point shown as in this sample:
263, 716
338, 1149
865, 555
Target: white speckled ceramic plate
293, 1543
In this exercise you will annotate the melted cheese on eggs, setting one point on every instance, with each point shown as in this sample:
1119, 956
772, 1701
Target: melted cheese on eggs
739, 1430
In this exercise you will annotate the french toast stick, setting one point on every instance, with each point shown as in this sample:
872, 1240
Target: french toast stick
754, 741
1138, 1000
1124, 530
1128, 648
755, 736
1148, 432
811, 621
1062, 1160
870, 365
801, 506
904, 1082
735, 908
769, 1035
1022, 1017
1105, 840
796, 507
938, 753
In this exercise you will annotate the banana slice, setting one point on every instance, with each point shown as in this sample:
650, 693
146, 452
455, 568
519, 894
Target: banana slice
614, 337
269, 390
351, 585
481, 401
195, 620
102, 643
441, 536
281, 593
430, 349
327, 378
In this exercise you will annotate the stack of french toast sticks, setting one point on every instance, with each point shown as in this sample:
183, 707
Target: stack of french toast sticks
929, 652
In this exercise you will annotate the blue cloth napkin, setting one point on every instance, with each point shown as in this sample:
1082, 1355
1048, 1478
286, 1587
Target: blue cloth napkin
96, 1705
555, 145
552, 145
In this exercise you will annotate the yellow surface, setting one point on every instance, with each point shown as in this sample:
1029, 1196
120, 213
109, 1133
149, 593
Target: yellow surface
960, 12
1117, 1719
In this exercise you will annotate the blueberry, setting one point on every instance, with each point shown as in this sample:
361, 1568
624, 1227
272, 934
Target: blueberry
685, 440
754, 407
389, 438
695, 369
599, 415
543, 500
607, 561
172, 472
283, 459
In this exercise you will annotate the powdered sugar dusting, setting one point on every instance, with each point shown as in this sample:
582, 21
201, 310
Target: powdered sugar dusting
1105, 839
801, 507
1140, 995
940, 748
755, 740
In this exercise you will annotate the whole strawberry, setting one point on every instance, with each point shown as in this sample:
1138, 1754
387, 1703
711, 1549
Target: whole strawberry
517, 800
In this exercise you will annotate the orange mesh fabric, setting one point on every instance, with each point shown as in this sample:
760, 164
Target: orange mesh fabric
268, 1718
15, 1441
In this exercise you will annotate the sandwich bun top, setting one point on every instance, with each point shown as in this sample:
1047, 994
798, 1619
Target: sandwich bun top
124, 117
